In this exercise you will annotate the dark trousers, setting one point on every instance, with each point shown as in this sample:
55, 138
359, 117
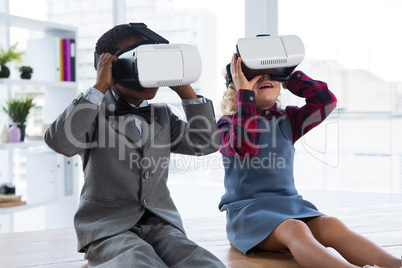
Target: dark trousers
152, 243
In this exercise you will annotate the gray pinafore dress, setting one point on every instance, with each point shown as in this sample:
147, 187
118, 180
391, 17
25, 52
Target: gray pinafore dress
260, 191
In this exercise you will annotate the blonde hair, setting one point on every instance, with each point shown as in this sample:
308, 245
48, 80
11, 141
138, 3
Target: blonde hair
228, 102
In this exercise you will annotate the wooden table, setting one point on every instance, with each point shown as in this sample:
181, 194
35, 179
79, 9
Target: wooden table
57, 248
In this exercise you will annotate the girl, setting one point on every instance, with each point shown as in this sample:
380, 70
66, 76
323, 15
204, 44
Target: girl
264, 210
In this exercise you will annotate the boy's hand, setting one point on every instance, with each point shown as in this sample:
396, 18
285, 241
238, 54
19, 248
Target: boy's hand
185, 92
239, 80
104, 78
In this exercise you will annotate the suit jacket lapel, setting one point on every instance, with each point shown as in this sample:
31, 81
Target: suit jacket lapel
121, 124
149, 131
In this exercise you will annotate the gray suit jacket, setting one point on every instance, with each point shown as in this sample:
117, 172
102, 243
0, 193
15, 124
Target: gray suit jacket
126, 174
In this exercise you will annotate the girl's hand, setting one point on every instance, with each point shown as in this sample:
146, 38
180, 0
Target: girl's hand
285, 84
104, 78
239, 80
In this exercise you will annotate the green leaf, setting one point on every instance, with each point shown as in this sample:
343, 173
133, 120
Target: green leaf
10, 55
18, 108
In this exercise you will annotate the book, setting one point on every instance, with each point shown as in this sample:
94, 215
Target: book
72, 57
9, 200
61, 60
43, 55
12, 203
9, 197
66, 60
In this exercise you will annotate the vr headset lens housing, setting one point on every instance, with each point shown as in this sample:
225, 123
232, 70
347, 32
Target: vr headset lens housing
155, 63
276, 56
124, 70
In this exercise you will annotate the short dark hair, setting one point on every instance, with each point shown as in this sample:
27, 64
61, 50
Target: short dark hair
110, 40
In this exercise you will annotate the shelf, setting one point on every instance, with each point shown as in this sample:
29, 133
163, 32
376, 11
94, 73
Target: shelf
31, 24
21, 145
21, 82
10, 210
58, 175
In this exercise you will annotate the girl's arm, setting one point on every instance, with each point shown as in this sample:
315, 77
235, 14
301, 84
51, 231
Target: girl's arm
239, 132
320, 102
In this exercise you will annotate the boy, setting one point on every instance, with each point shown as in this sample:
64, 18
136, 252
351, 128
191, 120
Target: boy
126, 217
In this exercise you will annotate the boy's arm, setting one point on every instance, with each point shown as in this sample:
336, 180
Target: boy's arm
199, 135
320, 102
71, 133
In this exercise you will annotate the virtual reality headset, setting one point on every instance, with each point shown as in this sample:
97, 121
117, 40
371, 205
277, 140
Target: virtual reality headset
154, 62
276, 56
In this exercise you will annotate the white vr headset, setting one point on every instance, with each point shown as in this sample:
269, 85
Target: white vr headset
276, 56
155, 63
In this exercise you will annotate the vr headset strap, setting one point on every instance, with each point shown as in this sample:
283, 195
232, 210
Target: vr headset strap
142, 29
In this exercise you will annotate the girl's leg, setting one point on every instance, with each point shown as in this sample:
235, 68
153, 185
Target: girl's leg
297, 237
331, 232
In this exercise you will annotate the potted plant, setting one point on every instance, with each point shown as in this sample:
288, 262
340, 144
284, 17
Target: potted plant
6, 56
18, 110
26, 72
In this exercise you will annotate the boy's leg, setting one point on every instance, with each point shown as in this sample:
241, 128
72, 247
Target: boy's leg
332, 232
176, 250
124, 250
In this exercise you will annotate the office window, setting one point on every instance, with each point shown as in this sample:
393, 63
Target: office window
355, 157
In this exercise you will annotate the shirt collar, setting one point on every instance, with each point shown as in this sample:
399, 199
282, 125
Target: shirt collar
144, 103
273, 111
